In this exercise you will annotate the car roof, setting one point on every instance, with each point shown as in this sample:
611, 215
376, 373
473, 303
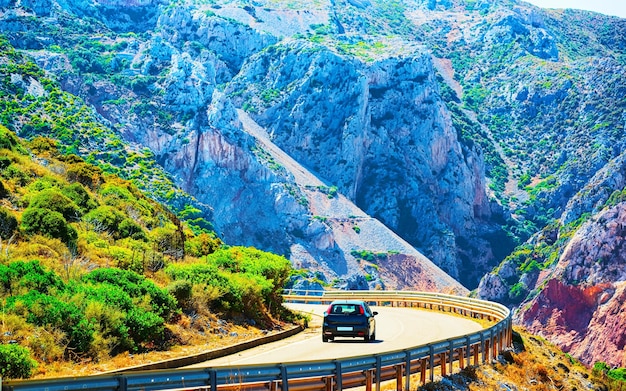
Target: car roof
347, 302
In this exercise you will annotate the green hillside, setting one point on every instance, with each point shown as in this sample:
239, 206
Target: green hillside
90, 267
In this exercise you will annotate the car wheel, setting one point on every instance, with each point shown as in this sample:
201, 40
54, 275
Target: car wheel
324, 338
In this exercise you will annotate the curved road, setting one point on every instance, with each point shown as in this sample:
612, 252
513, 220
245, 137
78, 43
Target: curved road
396, 328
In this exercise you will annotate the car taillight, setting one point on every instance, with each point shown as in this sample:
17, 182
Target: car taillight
361, 310
330, 307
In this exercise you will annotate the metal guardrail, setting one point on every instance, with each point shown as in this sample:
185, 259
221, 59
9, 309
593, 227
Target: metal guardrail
339, 374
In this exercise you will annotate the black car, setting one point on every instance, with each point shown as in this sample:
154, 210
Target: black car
349, 318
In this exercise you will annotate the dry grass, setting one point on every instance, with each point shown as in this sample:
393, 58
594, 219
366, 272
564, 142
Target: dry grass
533, 364
190, 335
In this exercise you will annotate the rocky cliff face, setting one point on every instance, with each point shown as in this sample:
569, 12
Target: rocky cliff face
404, 166
569, 286
580, 302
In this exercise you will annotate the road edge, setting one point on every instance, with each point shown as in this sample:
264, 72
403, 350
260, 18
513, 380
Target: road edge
210, 354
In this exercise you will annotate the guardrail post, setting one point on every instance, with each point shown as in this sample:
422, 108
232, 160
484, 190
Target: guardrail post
486, 351
212, 379
338, 375
476, 351
285, 379
442, 363
467, 349
369, 375
461, 352
451, 349
329, 383
482, 346
399, 370
407, 367
432, 363
378, 370
123, 382
423, 371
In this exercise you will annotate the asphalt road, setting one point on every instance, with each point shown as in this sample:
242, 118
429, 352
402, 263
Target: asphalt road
396, 328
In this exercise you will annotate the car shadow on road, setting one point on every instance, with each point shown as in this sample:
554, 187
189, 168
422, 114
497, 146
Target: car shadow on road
355, 341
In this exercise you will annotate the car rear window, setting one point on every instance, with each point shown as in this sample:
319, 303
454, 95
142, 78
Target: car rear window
347, 309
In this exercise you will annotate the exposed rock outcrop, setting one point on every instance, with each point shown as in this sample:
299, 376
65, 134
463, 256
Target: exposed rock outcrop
580, 303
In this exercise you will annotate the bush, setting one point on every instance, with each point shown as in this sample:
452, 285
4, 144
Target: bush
55, 312
137, 286
241, 280
15, 362
104, 218
182, 290
129, 229
8, 223
52, 199
85, 174
48, 223
79, 195
8, 140
17, 175
5, 162
22, 276
201, 245
145, 326
39, 145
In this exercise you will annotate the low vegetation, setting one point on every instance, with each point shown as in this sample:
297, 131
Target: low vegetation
533, 364
90, 268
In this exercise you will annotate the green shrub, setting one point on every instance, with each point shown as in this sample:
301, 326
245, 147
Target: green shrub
85, 174
129, 229
15, 362
55, 312
41, 145
8, 223
247, 280
5, 162
17, 175
137, 286
80, 196
53, 200
182, 290
202, 244
104, 218
617, 374
20, 276
48, 223
8, 140
144, 326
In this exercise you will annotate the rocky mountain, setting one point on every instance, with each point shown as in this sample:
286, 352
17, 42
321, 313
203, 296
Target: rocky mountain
354, 136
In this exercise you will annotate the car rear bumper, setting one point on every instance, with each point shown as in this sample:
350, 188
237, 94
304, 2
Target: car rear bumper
355, 332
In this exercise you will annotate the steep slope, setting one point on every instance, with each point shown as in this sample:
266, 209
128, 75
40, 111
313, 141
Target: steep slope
163, 93
572, 282
340, 227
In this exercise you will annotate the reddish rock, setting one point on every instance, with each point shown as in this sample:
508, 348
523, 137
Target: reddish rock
581, 304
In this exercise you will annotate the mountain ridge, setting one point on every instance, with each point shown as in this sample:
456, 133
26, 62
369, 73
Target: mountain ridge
467, 128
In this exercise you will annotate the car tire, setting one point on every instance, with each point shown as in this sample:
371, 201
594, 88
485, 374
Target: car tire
324, 338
